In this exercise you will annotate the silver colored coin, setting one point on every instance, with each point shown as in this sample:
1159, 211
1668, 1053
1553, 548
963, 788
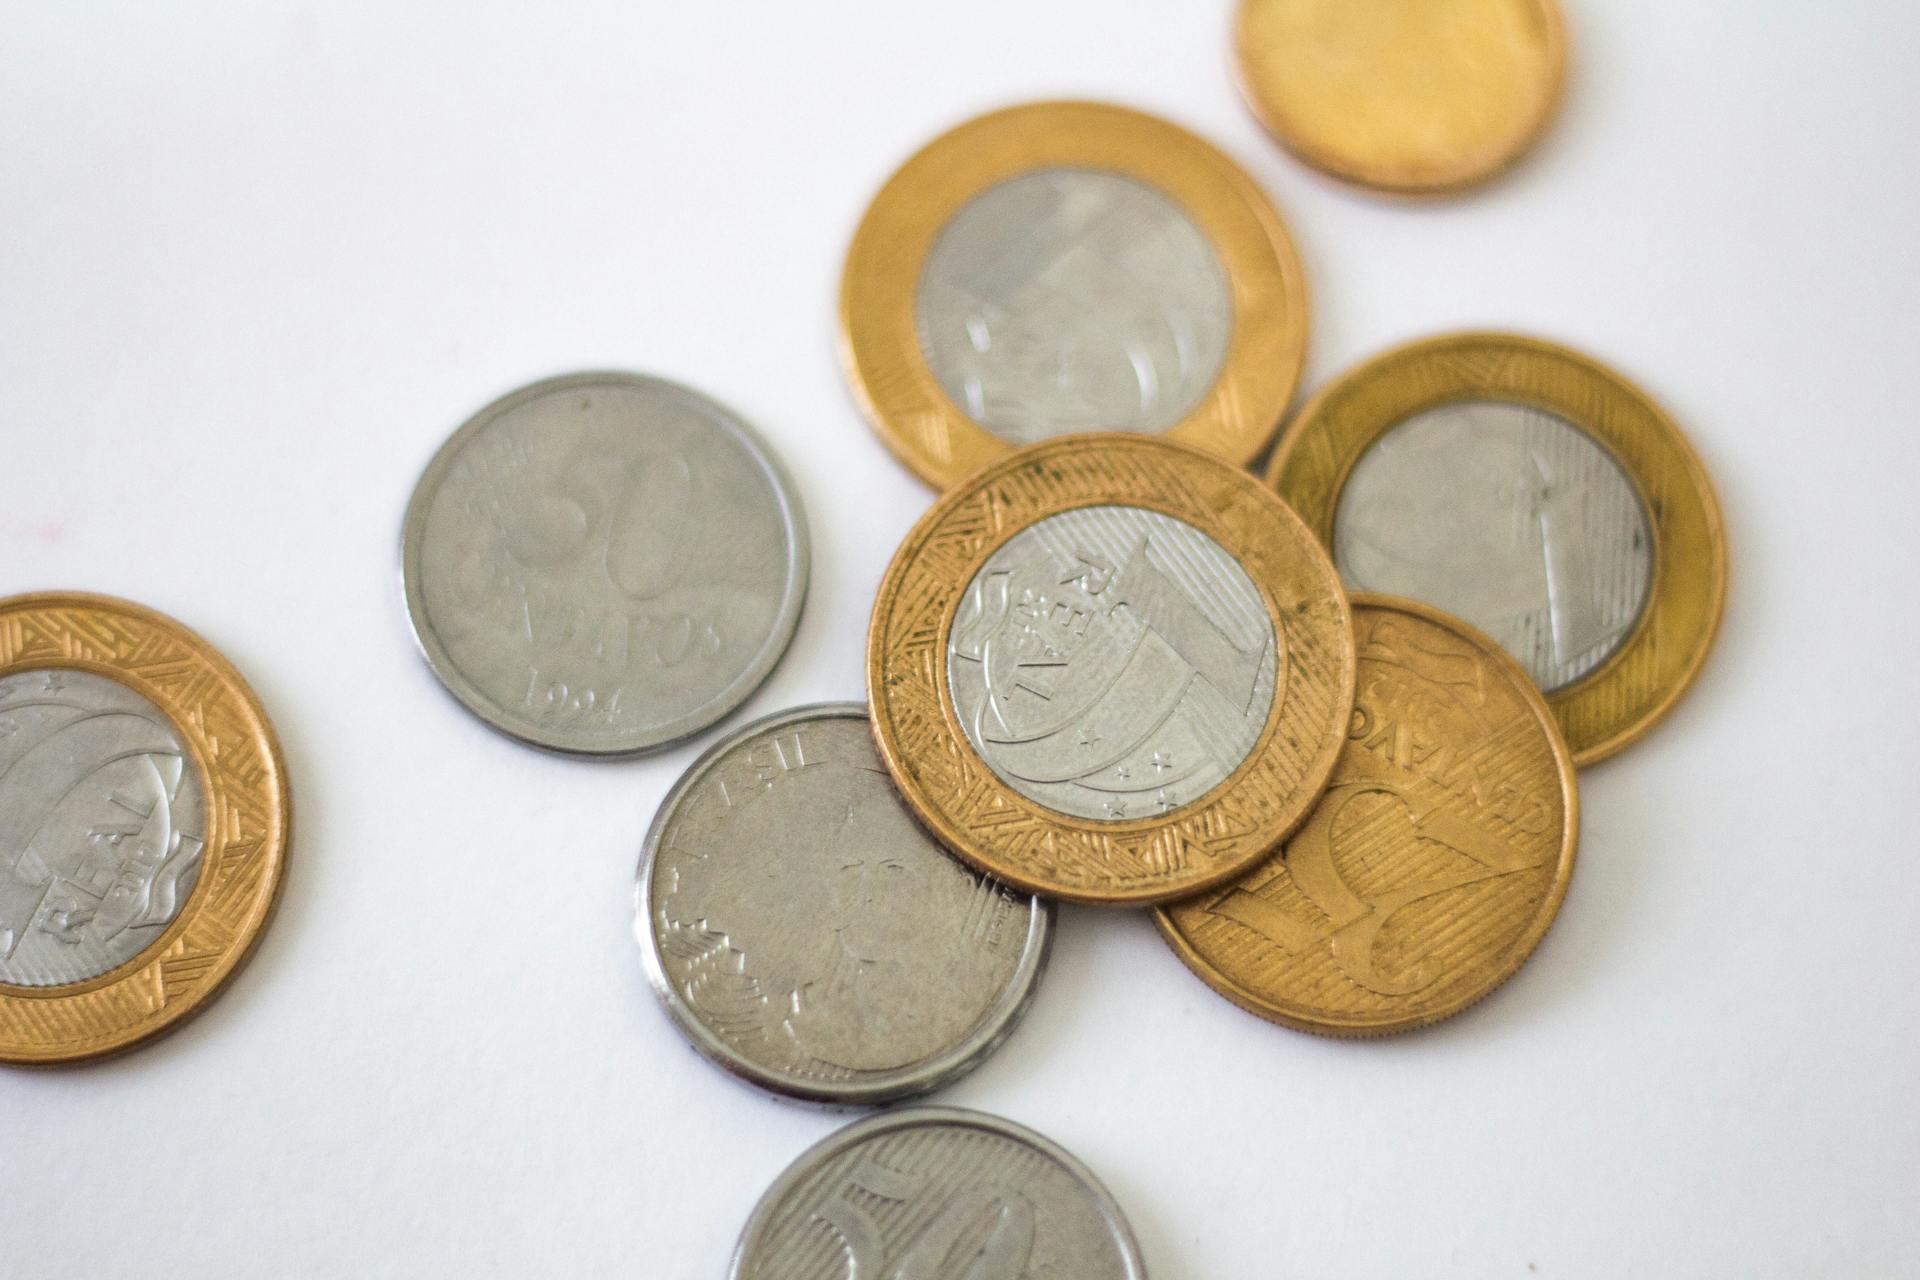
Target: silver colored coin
937, 1192
1073, 300
604, 564
1112, 663
808, 936
103, 818
1510, 517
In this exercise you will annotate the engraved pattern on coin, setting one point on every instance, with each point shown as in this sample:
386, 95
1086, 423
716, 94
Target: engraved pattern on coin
102, 825
1073, 300
1112, 662
1510, 517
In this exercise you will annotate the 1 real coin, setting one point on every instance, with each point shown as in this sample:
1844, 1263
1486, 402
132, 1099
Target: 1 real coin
1534, 493
1069, 266
143, 825
1110, 668
1433, 864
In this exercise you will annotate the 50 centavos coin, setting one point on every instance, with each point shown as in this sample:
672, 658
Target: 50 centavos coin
1070, 266
143, 825
808, 936
1534, 493
1110, 668
603, 564
937, 1192
1433, 864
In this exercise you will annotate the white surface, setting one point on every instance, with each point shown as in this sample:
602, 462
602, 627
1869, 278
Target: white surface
255, 263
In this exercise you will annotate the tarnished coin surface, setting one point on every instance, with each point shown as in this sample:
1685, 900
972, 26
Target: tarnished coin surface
1065, 267
143, 825
1433, 864
1110, 668
604, 564
937, 1192
807, 935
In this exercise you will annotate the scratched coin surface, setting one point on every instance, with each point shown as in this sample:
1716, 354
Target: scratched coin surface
1110, 668
806, 934
143, 825
1433, 864
937, 1192
604, 564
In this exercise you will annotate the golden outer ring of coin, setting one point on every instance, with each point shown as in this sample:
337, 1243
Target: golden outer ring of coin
1461, 994
1617, 702
249, 816
879, 333
994, 827
1362, 150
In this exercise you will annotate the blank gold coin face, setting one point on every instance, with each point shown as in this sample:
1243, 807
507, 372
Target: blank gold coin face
1403, 95
1431, 866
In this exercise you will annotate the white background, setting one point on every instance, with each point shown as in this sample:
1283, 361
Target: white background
257, 261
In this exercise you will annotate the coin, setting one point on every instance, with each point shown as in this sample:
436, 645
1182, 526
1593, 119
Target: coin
143, 825
603, 564
1433, 864
1110, 668
936, 1191
1534, 493
1420, 97
1063, 267
808, 936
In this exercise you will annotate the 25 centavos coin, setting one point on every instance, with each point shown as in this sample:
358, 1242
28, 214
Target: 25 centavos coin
1433, 864
1064, 267
1110, 668
808, 936
604, 564
143, 825
937, 1192
1534, 493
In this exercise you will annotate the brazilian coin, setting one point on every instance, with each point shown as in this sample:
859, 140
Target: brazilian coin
143, 825
603, 564
1110, 668
936, 1192
809, 937
1063, 267
1433, 864
1534, 493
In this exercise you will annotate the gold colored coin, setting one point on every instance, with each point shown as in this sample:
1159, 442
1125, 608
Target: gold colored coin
1110, 668
1534, 493
1433, 864
143, 825
1403, 95
1064, 267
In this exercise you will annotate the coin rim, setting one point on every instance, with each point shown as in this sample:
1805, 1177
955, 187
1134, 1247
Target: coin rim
879, 338
658, 737
840, 1140
933, 1072
1689, 537
1515, 954
272, 799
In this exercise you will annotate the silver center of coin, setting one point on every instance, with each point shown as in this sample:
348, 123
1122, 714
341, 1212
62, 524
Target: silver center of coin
1073, 300
1112, 663
102, 823
604, 563
807, 933
1510, 517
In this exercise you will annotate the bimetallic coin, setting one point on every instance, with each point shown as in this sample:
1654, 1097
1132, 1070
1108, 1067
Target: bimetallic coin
1433, 864
937, 1192
1069, 267
143, 825
1423, 97
1537, 495
808, 936
604, 564
1110, 668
